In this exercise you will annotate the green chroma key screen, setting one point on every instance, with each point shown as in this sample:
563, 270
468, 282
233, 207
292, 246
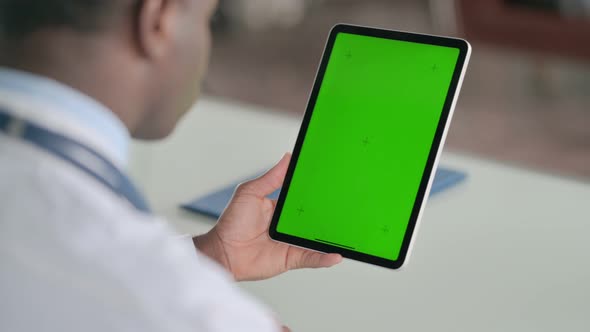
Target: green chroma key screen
367, 143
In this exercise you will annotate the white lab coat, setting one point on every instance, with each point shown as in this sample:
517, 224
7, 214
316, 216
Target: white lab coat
75, 257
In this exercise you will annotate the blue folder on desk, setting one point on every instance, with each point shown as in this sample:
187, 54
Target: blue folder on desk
214, 203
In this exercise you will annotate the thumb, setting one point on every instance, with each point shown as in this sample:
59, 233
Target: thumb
270, 181
302, 258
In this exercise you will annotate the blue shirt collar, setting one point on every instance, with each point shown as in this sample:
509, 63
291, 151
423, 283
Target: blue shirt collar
70, 103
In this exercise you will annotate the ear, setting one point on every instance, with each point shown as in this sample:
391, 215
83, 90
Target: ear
154, 26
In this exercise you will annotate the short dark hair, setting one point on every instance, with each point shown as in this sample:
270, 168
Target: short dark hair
19, 18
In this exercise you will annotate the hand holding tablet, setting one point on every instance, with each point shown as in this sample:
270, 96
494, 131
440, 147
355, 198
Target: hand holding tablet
369, 144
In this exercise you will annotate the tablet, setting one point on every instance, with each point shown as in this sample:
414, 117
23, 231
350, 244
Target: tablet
369, 143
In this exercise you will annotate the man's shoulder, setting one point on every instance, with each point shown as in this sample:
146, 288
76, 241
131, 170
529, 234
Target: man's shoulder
42, 181
66, 234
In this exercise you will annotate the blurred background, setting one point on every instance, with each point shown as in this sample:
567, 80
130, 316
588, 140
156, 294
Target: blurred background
525, 98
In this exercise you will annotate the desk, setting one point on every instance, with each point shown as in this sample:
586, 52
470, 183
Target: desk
507, 250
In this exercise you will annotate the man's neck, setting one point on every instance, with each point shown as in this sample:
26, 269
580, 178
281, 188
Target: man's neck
103, 76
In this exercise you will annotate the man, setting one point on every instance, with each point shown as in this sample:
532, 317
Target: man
79, 249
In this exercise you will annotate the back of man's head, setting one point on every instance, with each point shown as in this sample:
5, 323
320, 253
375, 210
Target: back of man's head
144, 59
19, 18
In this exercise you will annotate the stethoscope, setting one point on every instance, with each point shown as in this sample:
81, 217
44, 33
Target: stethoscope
82, 157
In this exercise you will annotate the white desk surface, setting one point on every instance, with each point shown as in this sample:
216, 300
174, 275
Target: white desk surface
507, 250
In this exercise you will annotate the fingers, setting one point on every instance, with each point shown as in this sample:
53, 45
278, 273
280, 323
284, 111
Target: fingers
302, 258
268, 182
286, 329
